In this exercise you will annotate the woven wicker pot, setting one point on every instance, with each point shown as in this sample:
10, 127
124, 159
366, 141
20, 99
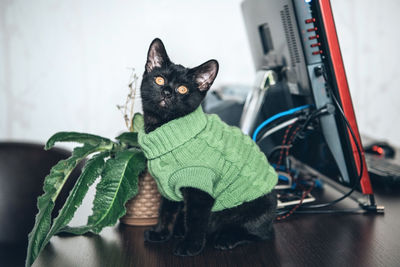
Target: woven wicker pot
143, 208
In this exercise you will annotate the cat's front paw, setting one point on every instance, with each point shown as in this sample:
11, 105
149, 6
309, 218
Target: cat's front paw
154, 236
189, 248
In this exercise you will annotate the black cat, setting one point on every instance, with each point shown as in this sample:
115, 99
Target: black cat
165, 99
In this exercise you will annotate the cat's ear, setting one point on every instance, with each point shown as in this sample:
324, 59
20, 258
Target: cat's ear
157, 55
205, 74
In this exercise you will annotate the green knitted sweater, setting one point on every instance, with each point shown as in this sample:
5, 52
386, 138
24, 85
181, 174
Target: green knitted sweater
201, 151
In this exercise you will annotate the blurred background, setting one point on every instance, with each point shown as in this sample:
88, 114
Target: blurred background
65, 65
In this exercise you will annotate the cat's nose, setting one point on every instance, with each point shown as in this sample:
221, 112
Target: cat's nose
166, 93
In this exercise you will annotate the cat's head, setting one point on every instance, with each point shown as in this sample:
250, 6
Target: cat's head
169, 90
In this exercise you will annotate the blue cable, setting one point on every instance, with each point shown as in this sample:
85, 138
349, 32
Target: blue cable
276, 116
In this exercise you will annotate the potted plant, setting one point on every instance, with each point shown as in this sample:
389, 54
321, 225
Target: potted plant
117, 163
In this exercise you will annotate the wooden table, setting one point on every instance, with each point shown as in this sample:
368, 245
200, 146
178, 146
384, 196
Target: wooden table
301, 240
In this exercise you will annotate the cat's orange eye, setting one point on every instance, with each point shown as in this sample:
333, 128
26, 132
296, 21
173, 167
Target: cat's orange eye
160, 80
183, 89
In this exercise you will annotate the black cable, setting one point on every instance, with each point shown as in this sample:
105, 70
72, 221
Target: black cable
346, 211
307, 120
316, 206
316, 113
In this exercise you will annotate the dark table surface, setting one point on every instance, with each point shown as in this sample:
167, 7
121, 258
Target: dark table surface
301, 240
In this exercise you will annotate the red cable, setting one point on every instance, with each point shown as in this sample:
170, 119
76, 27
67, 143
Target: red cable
305, 193
286, 215
283, 143
291, 140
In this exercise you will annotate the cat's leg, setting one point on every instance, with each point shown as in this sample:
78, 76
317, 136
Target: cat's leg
179, 225
246, 223
197, 210
160, 232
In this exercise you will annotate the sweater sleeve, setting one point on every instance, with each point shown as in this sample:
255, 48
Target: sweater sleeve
196, 177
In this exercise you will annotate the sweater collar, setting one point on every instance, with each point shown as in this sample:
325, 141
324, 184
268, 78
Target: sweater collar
172, 134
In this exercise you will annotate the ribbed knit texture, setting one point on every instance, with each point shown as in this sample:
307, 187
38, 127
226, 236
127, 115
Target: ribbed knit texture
201, 151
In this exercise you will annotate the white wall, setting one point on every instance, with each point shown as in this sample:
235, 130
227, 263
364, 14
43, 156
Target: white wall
63, 64
369, 37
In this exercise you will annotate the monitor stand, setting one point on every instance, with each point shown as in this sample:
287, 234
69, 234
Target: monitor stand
366, 202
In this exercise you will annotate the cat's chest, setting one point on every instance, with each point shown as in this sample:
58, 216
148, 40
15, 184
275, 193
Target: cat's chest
191, 154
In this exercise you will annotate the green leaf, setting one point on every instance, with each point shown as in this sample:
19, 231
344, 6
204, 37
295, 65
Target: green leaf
118, 184
84, 138
129, 138
137, 122
52, 186
91, 171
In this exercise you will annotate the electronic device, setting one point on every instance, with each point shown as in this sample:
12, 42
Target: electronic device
381, 149
296, 54
383, 171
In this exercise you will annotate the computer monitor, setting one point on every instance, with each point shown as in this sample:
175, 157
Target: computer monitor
296, 42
